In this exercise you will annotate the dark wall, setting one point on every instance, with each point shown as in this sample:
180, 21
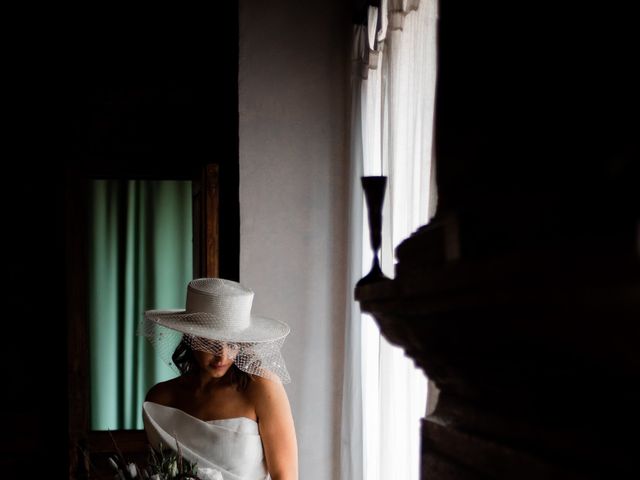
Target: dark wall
530, 271
537, 116
92, 93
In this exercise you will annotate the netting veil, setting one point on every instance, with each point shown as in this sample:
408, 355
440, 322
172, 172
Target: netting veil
218, 319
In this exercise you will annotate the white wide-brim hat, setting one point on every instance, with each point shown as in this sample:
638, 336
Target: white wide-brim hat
220, 309
218, 320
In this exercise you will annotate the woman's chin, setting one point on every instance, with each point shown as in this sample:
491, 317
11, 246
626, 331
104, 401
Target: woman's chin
218, 371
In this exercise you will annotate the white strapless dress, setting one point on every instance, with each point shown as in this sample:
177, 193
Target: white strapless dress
229, 449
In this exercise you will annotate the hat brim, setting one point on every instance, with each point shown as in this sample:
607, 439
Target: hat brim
261, 329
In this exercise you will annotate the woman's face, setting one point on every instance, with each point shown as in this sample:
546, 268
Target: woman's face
218, 358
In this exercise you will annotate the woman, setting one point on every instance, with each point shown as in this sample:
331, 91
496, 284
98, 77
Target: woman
228, 410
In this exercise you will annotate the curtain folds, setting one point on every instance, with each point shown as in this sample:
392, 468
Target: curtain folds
140, 258
381, 17
393, 92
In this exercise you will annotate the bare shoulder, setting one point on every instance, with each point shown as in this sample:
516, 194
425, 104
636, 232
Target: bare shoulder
260, 389
163, 393
267, 395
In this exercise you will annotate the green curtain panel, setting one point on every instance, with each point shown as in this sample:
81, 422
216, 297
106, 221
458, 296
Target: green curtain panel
140, 258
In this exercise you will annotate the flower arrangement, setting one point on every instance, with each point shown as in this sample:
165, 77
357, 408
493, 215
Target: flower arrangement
164, 464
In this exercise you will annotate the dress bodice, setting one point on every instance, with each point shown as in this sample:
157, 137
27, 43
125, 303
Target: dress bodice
231, 446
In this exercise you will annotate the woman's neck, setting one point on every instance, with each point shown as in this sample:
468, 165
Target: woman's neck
204, 383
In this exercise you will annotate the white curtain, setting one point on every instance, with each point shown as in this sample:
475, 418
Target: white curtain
393, 90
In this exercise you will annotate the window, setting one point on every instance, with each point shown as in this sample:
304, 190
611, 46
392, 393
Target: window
393, 92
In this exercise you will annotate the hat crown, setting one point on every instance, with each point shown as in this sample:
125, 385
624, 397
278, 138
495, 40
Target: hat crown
225, 303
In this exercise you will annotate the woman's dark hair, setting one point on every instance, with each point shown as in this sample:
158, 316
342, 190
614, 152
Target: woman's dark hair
185, 360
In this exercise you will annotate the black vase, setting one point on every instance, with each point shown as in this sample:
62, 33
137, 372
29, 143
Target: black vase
374, 188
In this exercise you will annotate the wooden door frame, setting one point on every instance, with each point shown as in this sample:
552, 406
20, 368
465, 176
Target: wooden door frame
84, 442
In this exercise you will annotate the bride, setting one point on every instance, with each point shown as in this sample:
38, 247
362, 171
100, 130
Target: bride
227, 411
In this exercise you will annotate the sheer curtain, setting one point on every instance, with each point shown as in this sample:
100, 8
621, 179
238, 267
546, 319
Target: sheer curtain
393, 90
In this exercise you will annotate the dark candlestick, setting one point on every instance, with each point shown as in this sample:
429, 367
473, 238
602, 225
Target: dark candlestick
374, 188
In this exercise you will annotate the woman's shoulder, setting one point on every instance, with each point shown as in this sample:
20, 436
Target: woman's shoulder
163, 392
273, 411
262, 390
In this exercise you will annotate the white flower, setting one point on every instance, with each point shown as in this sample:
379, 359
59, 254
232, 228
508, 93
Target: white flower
133, 471
206, 473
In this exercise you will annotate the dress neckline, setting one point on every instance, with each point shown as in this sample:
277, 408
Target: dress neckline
200, 419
